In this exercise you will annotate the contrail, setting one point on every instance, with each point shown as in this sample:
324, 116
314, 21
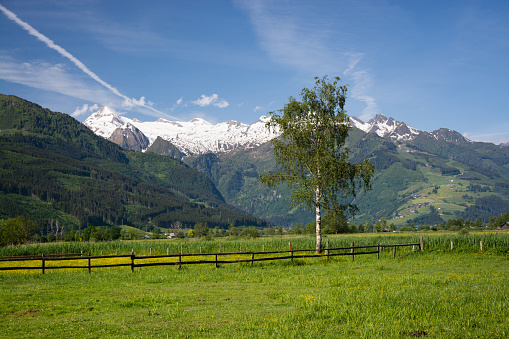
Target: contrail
73, 59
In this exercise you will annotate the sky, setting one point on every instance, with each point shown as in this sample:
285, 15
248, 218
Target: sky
431, 64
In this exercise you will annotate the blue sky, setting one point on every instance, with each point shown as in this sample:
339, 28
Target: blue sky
431, 64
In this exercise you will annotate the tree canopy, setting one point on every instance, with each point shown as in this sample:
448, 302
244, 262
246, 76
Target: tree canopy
311, 151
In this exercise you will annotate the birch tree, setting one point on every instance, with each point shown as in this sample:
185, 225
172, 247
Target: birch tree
311, 153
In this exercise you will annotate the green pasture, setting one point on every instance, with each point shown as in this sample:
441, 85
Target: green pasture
437, 293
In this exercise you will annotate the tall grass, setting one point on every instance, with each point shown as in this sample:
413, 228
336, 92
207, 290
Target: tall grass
492, 242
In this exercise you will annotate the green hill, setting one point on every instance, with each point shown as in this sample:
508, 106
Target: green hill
434, 178
52, 168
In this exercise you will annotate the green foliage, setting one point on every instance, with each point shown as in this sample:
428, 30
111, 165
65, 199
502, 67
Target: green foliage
311, 154
250, 232
201, 229
16, 231
54, 168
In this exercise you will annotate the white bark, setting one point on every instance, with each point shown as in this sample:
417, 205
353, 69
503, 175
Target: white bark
318, 221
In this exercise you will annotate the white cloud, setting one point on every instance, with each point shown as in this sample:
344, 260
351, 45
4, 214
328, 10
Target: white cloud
51, 77
32, 31
222, 104
179, 101
362, 82
85, 109
130, 103
294, 35
257, 108
205, 101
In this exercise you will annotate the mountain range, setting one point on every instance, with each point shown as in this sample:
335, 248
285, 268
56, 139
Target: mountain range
56, 171
193, 137
425, 177
53, 168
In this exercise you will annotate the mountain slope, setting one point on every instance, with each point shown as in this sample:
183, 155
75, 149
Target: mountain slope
51, 161
193, 137
413, 178
418, 172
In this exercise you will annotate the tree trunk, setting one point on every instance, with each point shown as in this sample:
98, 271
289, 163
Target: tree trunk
318, 222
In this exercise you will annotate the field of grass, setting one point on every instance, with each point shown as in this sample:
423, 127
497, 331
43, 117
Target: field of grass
440, 293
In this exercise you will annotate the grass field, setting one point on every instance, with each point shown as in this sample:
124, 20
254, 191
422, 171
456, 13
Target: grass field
438, 293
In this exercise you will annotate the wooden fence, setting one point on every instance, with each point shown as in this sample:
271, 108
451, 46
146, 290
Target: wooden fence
289, 254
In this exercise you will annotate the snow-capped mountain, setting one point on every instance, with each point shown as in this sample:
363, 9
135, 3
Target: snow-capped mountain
199, 136
193, 137
386, 128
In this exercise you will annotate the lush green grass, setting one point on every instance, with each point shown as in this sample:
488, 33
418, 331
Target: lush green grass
494, 242
446, 295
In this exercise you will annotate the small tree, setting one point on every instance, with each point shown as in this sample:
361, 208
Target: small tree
312, 154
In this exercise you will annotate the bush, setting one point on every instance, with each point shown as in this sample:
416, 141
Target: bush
463, 231
250, 232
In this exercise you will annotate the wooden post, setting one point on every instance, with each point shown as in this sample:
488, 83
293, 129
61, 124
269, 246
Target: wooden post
352, 251
291, 252
89, 266
216, 260
378, 252
327, 250
252, 258
263, 248
132, 260
150, 251
394, 255
116, 252
43, 263
200, 249
481, 245
421, 241
101, 252
452, 245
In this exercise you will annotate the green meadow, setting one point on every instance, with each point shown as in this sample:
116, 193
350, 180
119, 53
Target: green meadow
438, 293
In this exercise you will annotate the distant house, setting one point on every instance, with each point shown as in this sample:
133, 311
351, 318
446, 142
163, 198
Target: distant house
504, 227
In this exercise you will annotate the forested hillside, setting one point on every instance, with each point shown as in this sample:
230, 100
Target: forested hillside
54, 169
434, 178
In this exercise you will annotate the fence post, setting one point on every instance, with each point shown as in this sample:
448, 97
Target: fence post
421, 245
89, 266
216, 260
132, 260
352, 250
200, 249
252, 258
167, 251
452, 245
43, 263
327, 250
291, 252
263, 248
378, 252
150, 251
481, 245
180, 257
394, 254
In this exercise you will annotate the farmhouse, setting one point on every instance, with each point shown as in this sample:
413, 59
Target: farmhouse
504, 227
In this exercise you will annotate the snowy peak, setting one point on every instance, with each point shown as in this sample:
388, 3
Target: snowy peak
104, 122
197, 136
450, 136
386, 128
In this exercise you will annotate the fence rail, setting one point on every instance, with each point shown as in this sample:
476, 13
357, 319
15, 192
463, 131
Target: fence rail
293, 254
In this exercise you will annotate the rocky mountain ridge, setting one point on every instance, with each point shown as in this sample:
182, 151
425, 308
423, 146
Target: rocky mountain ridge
200, 137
